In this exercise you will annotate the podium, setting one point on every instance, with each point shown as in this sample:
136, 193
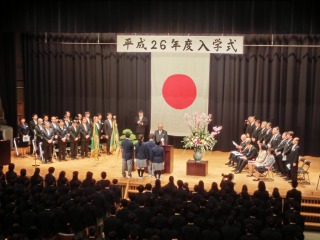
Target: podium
5, 152
197, 169
168, 158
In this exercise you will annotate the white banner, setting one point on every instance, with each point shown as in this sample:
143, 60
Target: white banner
179, 85
180, 44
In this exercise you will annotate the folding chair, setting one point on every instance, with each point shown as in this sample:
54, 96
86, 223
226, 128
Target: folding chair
268, 174
55, 149
303, 171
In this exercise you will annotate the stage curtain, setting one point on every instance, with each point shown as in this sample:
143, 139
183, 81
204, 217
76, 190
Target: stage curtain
60, 77
8, 93
276, 84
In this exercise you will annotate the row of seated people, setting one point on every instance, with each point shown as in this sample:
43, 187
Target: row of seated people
40, 208
263, 148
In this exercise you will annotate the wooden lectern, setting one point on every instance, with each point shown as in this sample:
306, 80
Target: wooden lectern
5, 152
168, 158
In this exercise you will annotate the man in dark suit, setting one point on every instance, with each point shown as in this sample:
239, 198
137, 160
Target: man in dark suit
256, 133
275, 139
88, 118
74, 135
48, 136
293, 159
249, 156
108, 131
85, 133
32, 124
141, 123
38, 134
161, 136
250, 126
267, 137
127, 153
278, 153
62, 133
285, 153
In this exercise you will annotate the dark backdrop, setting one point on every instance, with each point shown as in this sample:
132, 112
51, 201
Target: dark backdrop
277, 84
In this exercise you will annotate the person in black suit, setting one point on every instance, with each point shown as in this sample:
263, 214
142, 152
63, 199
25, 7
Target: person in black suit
88, 118
293, 159
250, 126
150, 144
275, 139
85, 133
251, 155
74, 135
39, 134
278, 153
127, 154
108, 131
141, 123
48, 136
268, 135
157, 160
256, 133
285, 153
63, 136
293, 195
24, 137
161, 136
32, 125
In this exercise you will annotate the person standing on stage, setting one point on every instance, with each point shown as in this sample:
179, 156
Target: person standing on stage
141, 150
74, 135
48, 136
62, 133
293, 159
39, 134
127, 154
87, 116
24, 137
32, 125
161, 136
85, 133
150, 144
108, 131
141, 123
157, 160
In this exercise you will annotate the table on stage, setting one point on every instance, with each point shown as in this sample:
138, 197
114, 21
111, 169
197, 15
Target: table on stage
197, 168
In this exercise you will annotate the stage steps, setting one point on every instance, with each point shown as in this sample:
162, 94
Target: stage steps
310, 209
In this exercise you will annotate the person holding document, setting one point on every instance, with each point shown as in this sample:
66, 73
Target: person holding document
24, 137
239, 148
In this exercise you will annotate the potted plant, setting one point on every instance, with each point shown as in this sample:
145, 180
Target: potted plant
200, 139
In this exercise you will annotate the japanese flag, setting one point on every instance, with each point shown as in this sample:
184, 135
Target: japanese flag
179, 85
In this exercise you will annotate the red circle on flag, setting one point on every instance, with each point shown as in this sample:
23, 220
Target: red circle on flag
179, 91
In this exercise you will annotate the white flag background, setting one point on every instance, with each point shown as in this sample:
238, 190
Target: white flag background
179, 85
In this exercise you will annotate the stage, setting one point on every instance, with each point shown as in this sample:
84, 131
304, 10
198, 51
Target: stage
216, 166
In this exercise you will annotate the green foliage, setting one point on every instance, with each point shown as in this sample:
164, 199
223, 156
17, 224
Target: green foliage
132, 137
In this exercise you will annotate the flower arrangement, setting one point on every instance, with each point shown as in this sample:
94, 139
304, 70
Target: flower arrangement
200, 138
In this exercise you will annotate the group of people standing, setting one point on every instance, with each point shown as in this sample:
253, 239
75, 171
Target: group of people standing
147, 154
61, 133
263, 147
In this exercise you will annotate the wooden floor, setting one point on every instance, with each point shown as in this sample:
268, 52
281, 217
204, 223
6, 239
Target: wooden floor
112, 165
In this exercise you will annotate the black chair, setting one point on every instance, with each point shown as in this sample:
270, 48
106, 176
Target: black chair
303, 171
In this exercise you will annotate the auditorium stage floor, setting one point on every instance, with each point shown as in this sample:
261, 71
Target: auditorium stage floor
216, 166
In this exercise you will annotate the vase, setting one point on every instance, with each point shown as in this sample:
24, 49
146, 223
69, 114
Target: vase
197, 156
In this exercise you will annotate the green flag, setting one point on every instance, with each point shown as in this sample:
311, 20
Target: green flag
114, 140
95, 142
